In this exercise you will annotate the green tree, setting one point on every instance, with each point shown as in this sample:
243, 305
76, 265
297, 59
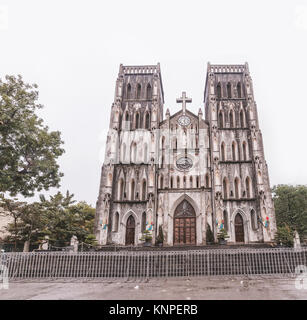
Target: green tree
28, 151
291, 209
65, 219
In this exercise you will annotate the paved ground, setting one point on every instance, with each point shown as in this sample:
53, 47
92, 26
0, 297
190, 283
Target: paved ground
201, 288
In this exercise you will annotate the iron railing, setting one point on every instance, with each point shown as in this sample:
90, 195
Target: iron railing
152, 264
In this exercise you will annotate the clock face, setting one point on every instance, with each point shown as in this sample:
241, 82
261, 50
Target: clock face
184, 163
184, 120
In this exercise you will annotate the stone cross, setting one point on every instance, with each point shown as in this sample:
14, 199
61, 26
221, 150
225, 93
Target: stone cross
184, 99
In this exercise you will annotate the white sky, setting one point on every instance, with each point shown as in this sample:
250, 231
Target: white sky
72, 50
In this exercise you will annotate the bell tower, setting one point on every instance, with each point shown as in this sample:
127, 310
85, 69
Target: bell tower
241, 190
127, 176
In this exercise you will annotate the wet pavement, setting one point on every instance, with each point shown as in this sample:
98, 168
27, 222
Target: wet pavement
176, 288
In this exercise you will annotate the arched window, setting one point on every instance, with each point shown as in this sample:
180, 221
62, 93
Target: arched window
132, 189
225, 188
137, 121
128, 91
207, 181
133, 152
115, 222
127, 121
223, 151
244, 151
196, 143
120, 195
242, 122
147, 121
172, 182
239, 89
148, 92
254, 220
237, 188
161, 182
231, 119
221, 120
143, 226
225, 218
191, 182
233, 149
162, 160
184, 182
248, 187
144, 190
228, 90
178, 182
163, 142
219, 91
197, 182
138, 91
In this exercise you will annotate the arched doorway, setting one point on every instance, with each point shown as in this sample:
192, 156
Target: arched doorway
239, 228
184, 224
130, 231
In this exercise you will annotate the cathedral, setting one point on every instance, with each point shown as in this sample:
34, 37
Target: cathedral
185, 174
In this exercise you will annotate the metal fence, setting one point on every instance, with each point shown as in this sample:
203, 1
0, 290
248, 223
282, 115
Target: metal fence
152, 264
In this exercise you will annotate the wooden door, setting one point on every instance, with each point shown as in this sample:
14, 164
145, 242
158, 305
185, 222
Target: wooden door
184, 224
239, 228
130, 231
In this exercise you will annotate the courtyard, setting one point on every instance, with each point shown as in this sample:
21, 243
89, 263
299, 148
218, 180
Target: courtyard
200, 288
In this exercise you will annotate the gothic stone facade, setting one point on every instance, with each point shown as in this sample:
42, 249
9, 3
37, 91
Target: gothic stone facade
184, 172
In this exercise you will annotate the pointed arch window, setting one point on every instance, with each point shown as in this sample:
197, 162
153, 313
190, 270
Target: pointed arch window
161, 182
138, 91
221, 120
207, 181
133, 152
172, 182
219, 91
248, 187
137, 120
237, 188
178, 182
244, 151
233, 149
225, 188
191, 182
197, 182
129, 91
132, 190
231, 119
223, 157
144, 190
148, 92
239, 90
147, 121
228, 90
120, 195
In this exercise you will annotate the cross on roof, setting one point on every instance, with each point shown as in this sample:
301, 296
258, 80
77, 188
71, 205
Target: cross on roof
184, 99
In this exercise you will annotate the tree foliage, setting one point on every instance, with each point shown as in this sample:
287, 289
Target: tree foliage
59, 218
291, 209
28, 151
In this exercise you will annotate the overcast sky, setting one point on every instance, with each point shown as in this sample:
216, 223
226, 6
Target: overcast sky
72, 50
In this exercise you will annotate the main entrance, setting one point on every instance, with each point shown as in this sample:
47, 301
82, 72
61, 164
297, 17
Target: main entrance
130, 230
239, 228
184, 224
